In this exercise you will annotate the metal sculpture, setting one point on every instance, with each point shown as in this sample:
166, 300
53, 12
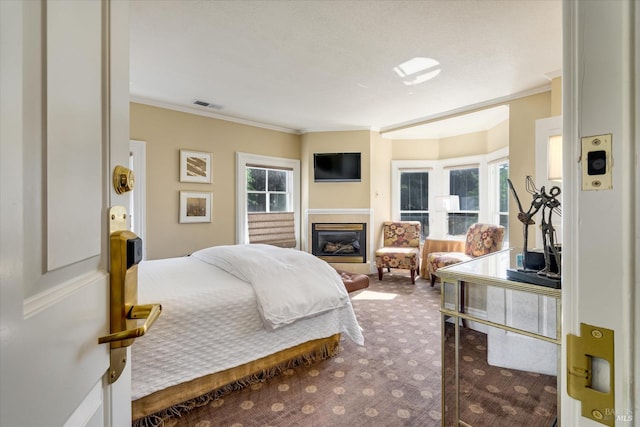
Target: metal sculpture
548, 203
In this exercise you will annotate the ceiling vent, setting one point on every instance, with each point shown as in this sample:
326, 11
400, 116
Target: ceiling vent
207, 104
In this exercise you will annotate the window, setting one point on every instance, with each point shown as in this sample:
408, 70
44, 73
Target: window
503, 197
465, 183
480, 182
269, 186
499, 194
414, 199
268, 190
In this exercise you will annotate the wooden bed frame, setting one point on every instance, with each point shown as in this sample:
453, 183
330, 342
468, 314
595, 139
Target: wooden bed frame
197, 392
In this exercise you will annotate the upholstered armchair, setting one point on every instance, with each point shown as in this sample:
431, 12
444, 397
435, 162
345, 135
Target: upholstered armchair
482, 239
401, 247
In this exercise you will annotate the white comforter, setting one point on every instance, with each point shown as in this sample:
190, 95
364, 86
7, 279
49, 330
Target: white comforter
289, 284
210, 322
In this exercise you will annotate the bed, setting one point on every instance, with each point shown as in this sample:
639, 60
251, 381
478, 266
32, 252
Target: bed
232, 315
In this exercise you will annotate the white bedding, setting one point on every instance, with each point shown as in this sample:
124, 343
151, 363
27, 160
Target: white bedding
286, 281
210, 322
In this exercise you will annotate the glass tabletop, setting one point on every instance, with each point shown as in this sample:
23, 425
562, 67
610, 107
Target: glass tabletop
492, 269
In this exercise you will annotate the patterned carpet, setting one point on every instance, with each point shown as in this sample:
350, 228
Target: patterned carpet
491, 395
393, 380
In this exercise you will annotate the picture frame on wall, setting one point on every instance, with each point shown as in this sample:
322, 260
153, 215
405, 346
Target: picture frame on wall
195, 166
195, 206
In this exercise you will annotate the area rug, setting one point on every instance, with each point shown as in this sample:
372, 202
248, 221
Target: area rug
393, 380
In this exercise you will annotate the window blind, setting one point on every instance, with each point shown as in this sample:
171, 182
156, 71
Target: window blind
272, 228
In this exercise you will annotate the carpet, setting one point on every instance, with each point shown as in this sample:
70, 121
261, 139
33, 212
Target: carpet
491, 395
393, 380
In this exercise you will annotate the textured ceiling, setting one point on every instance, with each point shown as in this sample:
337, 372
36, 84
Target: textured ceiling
328, 65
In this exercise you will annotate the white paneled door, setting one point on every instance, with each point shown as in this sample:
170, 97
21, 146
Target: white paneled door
601, 225
64, 105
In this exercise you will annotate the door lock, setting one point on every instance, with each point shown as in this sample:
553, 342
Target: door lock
125, 254
123, 179
597, 162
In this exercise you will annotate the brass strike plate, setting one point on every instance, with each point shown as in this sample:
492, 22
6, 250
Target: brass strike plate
117, 219
592, 342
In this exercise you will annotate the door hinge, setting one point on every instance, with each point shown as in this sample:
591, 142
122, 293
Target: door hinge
592, 342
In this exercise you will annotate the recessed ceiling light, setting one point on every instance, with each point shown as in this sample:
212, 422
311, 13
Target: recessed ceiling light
416, 65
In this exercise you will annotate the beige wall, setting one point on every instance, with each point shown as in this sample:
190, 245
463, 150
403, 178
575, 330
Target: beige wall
381, 155
469, 144
338, 195
556, 96
342, 195
498, 137
165, 133
411, 149
523, 113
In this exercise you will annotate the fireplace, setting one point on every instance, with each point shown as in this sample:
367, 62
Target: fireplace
339, 242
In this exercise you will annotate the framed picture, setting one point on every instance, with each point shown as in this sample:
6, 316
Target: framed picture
195, 166
195, 206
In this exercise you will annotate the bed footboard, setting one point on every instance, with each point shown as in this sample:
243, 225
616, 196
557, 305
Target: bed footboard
152, 409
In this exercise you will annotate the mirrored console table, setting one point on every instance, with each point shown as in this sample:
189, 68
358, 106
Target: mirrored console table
500, 346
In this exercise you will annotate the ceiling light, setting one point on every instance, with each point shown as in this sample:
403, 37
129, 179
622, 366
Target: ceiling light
417, 65
422, 78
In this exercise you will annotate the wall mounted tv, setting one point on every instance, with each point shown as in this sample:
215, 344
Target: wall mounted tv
336, 167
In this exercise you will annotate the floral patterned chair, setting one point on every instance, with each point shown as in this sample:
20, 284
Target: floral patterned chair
482, 239
401, 247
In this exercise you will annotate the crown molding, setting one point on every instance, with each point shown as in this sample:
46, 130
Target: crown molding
340, 129
382, 130
198, 112
466, 109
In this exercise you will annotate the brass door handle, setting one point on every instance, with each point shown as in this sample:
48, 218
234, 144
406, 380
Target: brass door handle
150, 312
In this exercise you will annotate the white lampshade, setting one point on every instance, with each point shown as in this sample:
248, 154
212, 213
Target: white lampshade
554, 161
447, 203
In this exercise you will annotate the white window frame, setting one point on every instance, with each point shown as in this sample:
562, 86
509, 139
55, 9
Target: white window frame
439, 185
445, 190
410, 166
246, 159
494, 183
138, 197
545, 129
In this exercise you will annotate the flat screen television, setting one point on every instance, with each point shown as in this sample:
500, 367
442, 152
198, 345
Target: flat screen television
336, 167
